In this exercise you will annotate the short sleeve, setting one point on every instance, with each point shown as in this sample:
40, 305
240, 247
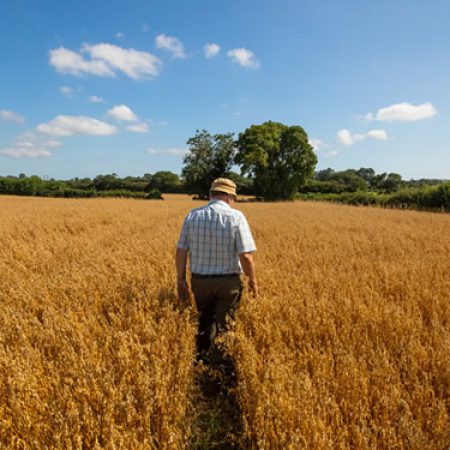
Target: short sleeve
183, 242
244, 238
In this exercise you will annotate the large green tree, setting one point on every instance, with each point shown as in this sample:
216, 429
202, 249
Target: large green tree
209, 157
278, 157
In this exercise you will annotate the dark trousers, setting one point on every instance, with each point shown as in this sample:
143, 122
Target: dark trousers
217, 299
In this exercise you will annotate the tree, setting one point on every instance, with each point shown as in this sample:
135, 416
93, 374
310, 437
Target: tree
80, 183
209, 157
387, 182
107, 182
278, 157
165, 181
324, 175
244, 185
351, 181
367, 173
134, 184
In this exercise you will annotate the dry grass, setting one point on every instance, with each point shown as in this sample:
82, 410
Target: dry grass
348, 345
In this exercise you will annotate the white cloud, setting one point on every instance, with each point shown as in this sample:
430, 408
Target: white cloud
243, 57
170, 151
345, 137
134, 63
9, 116
380, 135
138, 128
71, 125
105, 60
66, 90
172, 44
120, 35
21, 152
95, 99
122, 112
31, 145
211, 50
67, 61
317, 144
332, 153
404, 112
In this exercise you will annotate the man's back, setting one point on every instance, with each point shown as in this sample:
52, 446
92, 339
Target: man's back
215, 235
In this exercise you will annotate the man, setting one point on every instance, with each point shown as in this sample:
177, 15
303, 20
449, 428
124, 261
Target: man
221, 245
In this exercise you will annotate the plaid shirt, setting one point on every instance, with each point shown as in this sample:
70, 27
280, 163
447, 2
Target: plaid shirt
216, 235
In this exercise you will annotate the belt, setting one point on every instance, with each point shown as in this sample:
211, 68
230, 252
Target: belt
220, 275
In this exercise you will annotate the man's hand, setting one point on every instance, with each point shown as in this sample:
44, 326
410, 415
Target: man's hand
253, 286
248, 266
183, 290
180, 262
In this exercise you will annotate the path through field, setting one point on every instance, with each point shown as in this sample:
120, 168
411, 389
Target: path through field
218, 420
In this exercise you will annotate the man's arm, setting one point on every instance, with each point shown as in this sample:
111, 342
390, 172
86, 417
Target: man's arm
180, 262
249, 269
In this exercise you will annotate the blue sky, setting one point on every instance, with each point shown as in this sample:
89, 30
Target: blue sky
119, 86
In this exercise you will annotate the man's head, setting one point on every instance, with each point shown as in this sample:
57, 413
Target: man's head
223, 189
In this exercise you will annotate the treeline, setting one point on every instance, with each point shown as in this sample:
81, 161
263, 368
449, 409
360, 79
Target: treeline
365, 187
149, 186
110, 185
355, 187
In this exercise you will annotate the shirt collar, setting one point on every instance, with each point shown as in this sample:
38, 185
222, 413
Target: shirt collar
219, 203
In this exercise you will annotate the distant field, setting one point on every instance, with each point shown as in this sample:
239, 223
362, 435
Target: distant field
348, 345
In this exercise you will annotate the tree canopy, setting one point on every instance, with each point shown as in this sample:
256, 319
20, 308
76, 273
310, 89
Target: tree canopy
165, 181
209, 157
278, 157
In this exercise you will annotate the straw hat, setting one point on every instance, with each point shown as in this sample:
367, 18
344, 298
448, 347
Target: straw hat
224, 185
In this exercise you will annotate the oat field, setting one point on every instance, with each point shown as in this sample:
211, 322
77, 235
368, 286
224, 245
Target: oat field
347, 346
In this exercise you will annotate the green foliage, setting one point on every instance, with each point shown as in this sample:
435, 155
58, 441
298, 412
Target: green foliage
323, 187
122, 193
422, 182
279, 158
165, 181
428, 198
350, 180
154, 194
131, 187
437, 196
32, 186
244, 185
209, 157
386, 182
349, 198
366, 173
107, 182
